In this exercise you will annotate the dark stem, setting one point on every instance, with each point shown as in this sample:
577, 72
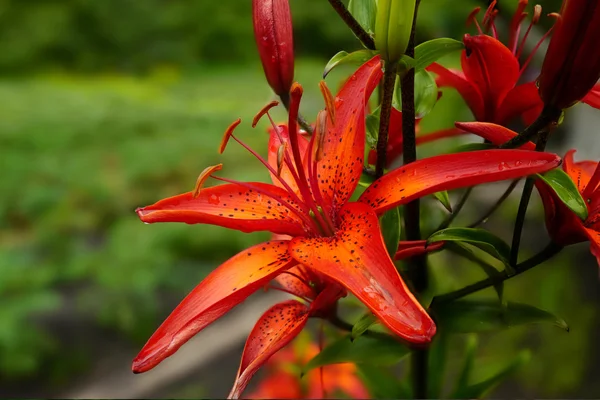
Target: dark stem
459, 206
525, 197
496, 205
285, 100
353, 24
389, 79
548, 117
548, 252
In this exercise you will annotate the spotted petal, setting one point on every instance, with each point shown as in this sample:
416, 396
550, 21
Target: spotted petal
275, 328
225, 287
580, 172
232, 206
357, 259
453, 171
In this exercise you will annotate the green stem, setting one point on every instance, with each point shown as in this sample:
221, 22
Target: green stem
546, 121
353, 24
496, 205
549, 251
389, 79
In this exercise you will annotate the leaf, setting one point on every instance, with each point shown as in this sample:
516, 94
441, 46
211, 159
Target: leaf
390, 229
567, 192
343, 57
443, 198
492, 272
377, 351
429, 52
381, 384
462, 383
364, 11
372, 129
438, 352
479, 238
426, 93
466, 316
363, 324
366, 180
482, 388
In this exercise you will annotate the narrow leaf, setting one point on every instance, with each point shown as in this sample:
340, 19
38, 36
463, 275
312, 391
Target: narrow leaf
567, 192
473, 147
429, 52
390, 229
381, 384
443, 198
462, 382
363, 324
343, 57
438, 353
487, 315
364, 11
372, 129
380, 351
426, 93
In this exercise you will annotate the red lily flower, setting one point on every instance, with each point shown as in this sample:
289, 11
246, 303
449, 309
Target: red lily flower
491, 71
563, 225
282, 383
338, 239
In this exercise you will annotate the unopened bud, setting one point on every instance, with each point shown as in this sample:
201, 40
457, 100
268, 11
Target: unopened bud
273, 34
572, 63
392, 27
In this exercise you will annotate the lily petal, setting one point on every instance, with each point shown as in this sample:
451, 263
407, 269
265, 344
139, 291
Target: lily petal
457, 80
594, 237
357, 259
225, 287
453, 171
496, 134
231, 206
519, 101
593, 97
343, 148
296, 281
413, 248
580, 172
490, 66
275, 328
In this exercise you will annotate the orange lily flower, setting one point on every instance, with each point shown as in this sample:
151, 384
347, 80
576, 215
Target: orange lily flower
491, 71
335, 238
563, 225
282, 382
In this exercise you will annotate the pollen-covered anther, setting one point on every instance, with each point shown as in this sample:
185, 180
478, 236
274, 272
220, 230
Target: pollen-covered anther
204, 175
263, 111
329, 100
537, 13
281, 157
228, 134
320, 133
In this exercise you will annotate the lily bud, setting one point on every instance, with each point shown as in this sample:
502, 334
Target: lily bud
572, 63
273, 34
392, 27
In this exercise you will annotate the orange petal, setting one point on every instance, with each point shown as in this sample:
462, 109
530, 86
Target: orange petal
452, 171
279, 384
225, 287
594, 237
232, 206
580, 172
356, 258
593, 97
296, 280
274, 146
496, 134
340, 168
275, 328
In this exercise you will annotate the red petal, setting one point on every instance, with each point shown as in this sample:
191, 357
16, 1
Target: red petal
519, 100
232, 206
413, 248
496, 134
274, 144
492, 67
343, 150
356, 258
275, 328
593, 97
452, 171
225, 287
594, 237
457, 80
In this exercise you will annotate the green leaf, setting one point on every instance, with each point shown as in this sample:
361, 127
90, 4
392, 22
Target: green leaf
381, 384
443, 198
343, 57
366, 180
492, 272
363, 324
479, 238
438, 352
482, 388
377, 351
364, 11
462, 383
567, 192
426, 93
372, 129
467, 316
390, 229
429, 52
473, 147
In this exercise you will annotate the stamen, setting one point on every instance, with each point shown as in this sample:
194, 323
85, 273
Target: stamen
329, 101
537, 11
263, 111
284, 290
280, 157
228, 134
488, 18
319, 135
204, 175
537, 46
473, 18
515, 25
592, 184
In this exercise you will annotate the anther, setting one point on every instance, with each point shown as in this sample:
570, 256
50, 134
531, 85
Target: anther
263, 111
320, 133
228, 134
204, 175
329, 101
281, 157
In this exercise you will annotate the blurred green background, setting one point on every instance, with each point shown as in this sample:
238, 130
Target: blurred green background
107, 105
